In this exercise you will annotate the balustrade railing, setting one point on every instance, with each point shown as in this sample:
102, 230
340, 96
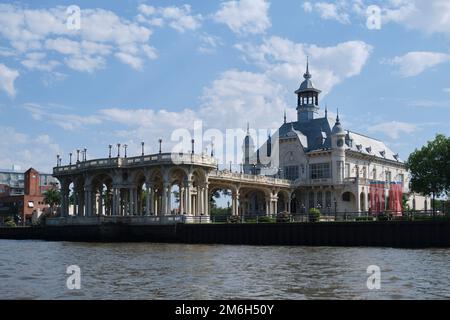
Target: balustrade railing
176, 158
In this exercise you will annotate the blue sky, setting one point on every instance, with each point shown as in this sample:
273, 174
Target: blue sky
137, 70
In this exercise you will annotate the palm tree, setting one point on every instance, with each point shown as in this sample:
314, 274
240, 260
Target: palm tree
52, 197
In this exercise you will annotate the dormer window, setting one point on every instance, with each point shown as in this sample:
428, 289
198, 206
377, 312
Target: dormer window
383, 153
359, 147
396, 156
369, 149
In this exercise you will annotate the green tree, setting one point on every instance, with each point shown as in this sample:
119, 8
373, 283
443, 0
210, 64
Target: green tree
430, 168
52, 197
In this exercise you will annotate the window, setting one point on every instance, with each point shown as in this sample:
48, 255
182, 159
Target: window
346, 197
364, 172
374, 174
320, 170
347, 170
401, 178
388, 176
291, 172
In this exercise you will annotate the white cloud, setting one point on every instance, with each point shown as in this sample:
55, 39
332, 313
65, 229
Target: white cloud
178, 18
27, 151
416, 62
103, 33
7, 78
307, 6
245, 16
328, 11
429, 16
85, 63
134, 62
446, 90
394, 129
37, 61
68, 122
284, 60
209, 43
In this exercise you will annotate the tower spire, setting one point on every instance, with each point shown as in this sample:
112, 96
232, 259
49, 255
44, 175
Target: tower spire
307, 75
326, 110
248, 128
337, 117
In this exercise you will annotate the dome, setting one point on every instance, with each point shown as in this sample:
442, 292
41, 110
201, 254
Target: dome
337, 129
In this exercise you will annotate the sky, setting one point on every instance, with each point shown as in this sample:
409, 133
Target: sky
132, 71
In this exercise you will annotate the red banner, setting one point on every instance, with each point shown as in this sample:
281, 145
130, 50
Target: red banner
378, 197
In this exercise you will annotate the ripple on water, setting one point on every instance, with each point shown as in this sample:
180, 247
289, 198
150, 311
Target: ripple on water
37, 270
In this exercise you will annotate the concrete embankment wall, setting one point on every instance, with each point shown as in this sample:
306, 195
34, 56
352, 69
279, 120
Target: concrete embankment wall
407, 234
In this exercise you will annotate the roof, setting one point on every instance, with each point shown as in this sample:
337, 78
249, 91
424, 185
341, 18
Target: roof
315, 134
371, 146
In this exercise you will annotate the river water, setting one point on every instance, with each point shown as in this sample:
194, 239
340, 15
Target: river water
37, 270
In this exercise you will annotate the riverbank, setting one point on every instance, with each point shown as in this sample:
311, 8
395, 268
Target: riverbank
402, 234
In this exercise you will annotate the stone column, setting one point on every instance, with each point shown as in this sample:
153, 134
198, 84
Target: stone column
64, 202
188, 197
199, 201
164, 199
169, 199
114, 210
148, 199
75, 202
86, 203
181, 198
267, 207
100, 203
136, 204
206, 200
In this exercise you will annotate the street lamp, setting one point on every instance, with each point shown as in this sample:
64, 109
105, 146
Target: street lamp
160, 141
118, 150
85, 154
192, 142
142, 147
230, 165
125, 148
78, 155
70, 158
110, 146
57, 160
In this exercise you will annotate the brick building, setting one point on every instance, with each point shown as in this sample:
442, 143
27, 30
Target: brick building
21, 200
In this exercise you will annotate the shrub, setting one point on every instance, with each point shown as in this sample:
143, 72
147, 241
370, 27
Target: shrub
234, 219
314, 214
364, 219
283, 217
10, 222
265, 219
382, 217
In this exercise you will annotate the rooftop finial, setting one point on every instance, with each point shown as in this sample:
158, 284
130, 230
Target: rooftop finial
248, 128
307, 75
326, 110
284, 115
337, 117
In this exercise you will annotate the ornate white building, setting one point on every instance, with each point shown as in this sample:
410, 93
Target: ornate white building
330, 167
313, 162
